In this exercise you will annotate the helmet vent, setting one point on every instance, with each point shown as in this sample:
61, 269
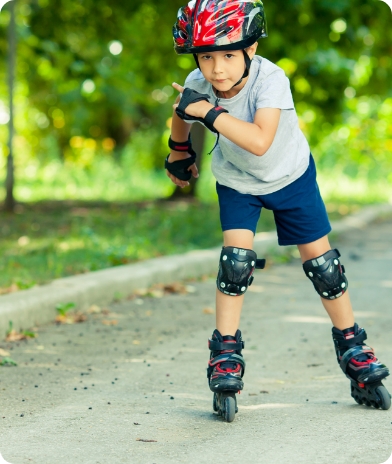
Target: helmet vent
223, 32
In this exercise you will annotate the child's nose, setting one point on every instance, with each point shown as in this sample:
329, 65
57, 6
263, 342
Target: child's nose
217, 67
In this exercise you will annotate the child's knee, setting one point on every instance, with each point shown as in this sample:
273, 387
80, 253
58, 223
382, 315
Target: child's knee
327, 275
236, 267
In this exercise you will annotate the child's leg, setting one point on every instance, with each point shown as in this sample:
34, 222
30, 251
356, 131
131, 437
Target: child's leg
226, 366
356, 359
228, 308
339, 310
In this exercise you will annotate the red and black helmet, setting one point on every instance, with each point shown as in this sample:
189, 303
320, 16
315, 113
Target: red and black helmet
210, 25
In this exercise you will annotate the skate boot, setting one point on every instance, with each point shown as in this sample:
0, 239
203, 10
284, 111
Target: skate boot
225, 371
360, 365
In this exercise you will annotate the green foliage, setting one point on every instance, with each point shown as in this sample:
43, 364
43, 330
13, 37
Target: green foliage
51, 240
92, 76
63, 308
8, 362
10, 327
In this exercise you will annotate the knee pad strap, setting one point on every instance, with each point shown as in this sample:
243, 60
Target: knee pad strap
327, 275
236, 266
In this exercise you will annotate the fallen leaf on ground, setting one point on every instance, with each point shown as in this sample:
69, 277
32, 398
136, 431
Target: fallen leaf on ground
208, 311
13, 288
3, 352
159, 290
14, 336
109, 322
94, 309
71, 318
176, 287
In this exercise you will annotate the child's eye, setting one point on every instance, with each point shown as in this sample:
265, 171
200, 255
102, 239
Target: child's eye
229, 55
205, 57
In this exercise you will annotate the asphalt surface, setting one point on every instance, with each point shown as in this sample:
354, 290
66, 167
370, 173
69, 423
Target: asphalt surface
136, 391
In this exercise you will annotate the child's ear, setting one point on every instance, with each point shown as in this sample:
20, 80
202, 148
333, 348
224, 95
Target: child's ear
251, 51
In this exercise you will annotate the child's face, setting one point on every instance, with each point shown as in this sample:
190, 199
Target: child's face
223, 69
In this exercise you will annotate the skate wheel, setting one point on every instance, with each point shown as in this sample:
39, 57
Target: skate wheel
230, 407
215, 403
384, 397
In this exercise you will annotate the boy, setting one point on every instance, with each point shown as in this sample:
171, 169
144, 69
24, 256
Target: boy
261, 159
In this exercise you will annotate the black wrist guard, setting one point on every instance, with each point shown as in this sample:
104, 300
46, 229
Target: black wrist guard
179, 168
190, 96
180, 146
211, 116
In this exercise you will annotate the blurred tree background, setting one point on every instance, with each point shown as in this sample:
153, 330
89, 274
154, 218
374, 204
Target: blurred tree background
93, 103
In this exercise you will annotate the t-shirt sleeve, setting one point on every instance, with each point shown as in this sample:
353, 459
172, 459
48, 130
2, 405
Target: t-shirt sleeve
274, 92
194, 80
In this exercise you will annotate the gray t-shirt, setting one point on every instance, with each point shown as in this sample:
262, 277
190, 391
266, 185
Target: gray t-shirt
288, 156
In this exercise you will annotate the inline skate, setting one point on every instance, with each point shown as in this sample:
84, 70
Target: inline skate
360, 365
225, 370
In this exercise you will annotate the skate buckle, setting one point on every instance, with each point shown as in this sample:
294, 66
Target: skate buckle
361, 385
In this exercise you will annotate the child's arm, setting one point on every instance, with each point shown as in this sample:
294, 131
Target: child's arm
256, 137
180, 133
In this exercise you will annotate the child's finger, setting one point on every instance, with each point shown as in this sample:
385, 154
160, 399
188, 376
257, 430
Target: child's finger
194, 170
178, 87
177, 181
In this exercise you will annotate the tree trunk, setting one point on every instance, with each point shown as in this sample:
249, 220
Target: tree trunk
9, 203
198, 134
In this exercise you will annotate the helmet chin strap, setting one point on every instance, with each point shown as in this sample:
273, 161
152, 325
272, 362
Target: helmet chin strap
248, 62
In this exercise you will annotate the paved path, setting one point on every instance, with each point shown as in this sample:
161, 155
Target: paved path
86, 393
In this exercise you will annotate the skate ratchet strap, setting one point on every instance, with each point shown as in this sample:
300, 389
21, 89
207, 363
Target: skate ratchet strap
179, 168
352, 352
180, 146
220, 346
357, 340
227, 357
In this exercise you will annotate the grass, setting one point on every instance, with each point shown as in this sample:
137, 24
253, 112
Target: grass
48, 240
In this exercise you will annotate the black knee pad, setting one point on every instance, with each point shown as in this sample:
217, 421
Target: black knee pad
236, 266
327, 275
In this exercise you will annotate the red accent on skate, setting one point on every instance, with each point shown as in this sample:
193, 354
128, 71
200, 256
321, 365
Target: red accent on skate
361, 385
227, 370
363, 363
349, 335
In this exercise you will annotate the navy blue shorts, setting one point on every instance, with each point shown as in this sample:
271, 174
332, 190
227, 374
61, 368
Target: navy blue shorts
299, 211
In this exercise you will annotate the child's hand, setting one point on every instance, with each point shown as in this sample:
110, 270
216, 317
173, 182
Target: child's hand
198, 109
176, 156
